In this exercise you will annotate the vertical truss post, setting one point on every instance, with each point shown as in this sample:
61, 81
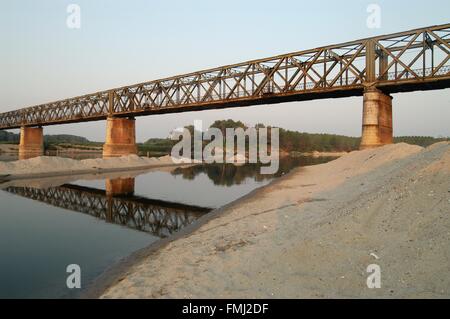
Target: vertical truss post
382, 65
370, 61
110, 103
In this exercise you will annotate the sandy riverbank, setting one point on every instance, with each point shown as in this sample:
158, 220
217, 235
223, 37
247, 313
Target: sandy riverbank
9, 148
55, 181
325, 154
313, 233
49, 166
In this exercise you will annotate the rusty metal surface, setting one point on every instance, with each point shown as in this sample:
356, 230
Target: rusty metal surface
405, 61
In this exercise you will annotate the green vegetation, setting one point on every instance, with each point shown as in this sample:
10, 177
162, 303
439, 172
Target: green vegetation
224, 124
291, 141
156, 147
65, 138
8, 138
66, 141
91, 146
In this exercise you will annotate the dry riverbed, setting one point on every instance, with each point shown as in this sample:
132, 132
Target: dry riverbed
311, 234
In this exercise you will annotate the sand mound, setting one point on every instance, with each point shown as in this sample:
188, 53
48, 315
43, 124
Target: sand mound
313, 233
333, 173
50, 165
369, 159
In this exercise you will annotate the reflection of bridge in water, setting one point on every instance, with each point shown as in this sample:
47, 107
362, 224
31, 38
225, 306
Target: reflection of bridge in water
159, 218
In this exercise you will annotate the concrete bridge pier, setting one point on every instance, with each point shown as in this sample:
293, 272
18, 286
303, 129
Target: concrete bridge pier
120, 137
377, 119
31, 142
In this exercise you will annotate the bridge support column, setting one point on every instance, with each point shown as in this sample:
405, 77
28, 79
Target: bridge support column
119, 186
377, 119
120, 137
31, 142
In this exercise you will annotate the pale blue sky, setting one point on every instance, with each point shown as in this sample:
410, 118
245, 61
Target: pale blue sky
125, 42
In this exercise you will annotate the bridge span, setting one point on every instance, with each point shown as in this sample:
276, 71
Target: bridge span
373, 67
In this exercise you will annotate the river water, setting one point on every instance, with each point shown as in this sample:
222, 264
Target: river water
95, 221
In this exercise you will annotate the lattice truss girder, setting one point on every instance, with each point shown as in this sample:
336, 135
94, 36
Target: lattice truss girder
160, 221
415, 55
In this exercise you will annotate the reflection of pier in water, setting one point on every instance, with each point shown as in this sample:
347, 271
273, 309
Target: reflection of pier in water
117, 205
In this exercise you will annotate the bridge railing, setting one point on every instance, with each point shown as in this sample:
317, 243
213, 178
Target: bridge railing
420, 55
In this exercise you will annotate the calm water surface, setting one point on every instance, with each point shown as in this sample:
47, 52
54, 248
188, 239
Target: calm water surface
96, 222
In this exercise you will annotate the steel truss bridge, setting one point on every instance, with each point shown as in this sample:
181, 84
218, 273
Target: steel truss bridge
152, 216
399, 62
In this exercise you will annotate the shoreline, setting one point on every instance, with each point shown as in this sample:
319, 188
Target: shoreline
117, 272
120, 269
324, 154
95, 171
50, 166
44, 166
312, 211
54, 181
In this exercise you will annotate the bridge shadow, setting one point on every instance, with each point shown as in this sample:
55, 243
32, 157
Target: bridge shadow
118, 205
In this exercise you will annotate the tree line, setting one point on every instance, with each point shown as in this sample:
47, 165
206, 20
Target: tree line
290, 141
